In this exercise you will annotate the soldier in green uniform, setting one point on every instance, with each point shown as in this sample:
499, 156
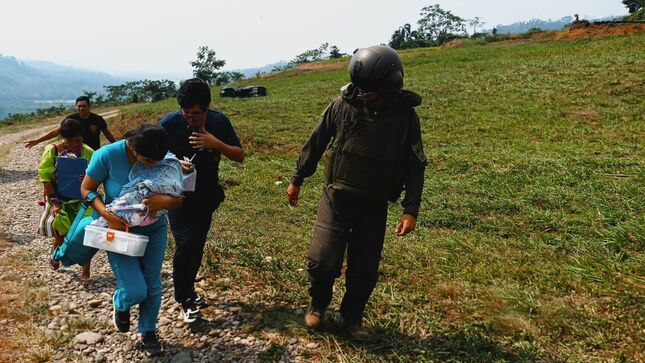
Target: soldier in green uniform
375, 154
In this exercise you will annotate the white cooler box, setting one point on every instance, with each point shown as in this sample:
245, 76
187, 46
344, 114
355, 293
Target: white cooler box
125, 243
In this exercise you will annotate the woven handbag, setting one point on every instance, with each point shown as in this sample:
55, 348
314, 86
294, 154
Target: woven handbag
46, 223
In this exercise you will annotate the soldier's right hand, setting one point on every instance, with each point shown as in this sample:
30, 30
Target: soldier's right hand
407, 223
292, 194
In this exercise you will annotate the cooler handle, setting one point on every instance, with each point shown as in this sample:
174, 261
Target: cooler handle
109, 236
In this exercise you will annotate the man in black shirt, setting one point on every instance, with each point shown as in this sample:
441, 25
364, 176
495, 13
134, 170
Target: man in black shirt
202, 135
92, 125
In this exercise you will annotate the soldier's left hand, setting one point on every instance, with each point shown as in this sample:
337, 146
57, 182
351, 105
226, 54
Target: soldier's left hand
407, 224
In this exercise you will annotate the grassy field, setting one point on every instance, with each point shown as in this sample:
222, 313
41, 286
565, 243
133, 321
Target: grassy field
531, 239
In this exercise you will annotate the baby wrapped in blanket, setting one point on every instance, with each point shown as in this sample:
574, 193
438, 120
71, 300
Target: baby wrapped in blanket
144, 181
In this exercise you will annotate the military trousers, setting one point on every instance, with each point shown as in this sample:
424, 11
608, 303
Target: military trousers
352, 224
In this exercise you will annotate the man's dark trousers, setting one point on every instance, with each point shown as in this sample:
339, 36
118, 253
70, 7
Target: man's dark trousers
189, 228
355, 224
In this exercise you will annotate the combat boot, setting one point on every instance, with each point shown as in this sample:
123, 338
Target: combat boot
314, 317
356, 331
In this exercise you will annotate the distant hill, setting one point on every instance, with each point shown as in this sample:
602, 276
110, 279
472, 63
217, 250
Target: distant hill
28, 85
251, 72
524, 26
173, 76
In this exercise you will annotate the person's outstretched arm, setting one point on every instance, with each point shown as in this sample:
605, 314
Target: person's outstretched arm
50, 135
108, 135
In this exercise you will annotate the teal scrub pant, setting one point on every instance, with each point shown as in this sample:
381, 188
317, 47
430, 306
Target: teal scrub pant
138, 279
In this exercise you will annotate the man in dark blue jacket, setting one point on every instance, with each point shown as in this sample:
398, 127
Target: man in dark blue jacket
202, 135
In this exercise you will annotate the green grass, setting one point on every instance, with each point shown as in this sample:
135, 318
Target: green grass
530, 244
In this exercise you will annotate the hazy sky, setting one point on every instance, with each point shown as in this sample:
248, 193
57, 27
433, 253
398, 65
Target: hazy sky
143, 36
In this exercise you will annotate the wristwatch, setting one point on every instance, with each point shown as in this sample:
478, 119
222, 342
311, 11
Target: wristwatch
89, 198
91, 195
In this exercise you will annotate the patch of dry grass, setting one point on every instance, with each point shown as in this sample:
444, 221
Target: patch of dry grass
21, 308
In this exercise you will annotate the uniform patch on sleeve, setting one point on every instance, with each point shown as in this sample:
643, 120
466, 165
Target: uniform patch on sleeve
418, 151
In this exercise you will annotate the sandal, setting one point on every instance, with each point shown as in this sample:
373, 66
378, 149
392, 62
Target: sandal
55, 265
86, 280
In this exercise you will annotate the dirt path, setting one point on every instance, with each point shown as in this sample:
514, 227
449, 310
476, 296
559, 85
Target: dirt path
49, 316
32, 132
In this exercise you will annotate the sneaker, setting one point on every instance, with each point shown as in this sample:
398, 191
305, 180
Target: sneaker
356, 331
151, 344
200, 302
314, 317
189, 312
121, 319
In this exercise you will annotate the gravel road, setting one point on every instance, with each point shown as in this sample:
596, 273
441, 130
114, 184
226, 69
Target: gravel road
222, 336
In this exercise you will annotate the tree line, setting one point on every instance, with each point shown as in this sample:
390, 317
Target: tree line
206, 66
438, 26
323, 52
134, 92
435, 27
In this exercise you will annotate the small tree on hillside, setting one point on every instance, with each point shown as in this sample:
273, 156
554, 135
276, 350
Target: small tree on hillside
634, 5
475, 22
89, 94
140, 91
228, 77
334, 52
405, 37
153, 91
313, 55
308, 56
440, 26
398, 37
207, 65
236, 76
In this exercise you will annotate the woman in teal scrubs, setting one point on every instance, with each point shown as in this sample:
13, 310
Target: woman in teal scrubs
138, 278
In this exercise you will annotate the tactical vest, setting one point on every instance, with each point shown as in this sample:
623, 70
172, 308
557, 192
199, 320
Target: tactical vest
365, 157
